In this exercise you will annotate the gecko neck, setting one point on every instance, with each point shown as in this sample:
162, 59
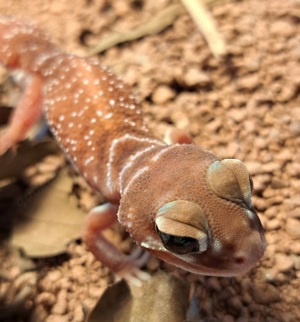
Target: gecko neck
125, 153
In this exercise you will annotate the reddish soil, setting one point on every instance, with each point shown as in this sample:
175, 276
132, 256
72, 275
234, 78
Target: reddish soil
246, 106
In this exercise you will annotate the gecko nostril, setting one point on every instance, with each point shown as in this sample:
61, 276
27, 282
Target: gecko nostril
239, 260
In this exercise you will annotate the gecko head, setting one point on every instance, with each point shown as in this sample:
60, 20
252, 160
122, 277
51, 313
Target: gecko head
194, 211
225, 241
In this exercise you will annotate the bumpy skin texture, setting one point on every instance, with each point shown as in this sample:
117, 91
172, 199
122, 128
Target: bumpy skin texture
162, 190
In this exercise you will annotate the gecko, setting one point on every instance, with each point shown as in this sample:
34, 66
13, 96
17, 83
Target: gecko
177, 201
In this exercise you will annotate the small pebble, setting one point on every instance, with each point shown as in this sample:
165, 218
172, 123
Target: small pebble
264, 293
163, 94
282, 28
249, 82
194, 77
283, 263
293, 227
273, 224
228, 318
57, 318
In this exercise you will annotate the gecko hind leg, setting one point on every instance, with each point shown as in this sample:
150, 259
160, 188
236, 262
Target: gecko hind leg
174, 135
127, 267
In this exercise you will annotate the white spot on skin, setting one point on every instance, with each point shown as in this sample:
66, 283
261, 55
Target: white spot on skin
151, 243
132, 123
108, 116
112, 102
250, 214
217, 246
89, 160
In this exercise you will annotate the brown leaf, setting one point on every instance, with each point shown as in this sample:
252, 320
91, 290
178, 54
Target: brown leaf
13, 164
114, 305
48, 218
165, 298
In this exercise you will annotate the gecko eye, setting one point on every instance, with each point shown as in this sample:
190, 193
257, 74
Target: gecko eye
182, 227
179, 245
229, 179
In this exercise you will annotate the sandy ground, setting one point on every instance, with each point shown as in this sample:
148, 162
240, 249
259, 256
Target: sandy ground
245, 107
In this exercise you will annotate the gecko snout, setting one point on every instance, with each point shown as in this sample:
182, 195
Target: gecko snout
229, 179
182, 227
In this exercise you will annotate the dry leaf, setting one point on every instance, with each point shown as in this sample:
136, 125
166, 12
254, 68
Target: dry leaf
48, 218
165, 298
13, 164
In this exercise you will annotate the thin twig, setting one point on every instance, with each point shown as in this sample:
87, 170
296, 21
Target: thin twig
206, 23
166, 18
160, 22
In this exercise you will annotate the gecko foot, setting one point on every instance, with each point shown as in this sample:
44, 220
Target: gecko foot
131, 271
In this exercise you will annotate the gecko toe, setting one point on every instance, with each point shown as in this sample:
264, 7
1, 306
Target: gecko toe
139, 257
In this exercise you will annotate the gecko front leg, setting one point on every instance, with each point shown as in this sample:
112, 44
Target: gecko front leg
127, 267
25, 115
